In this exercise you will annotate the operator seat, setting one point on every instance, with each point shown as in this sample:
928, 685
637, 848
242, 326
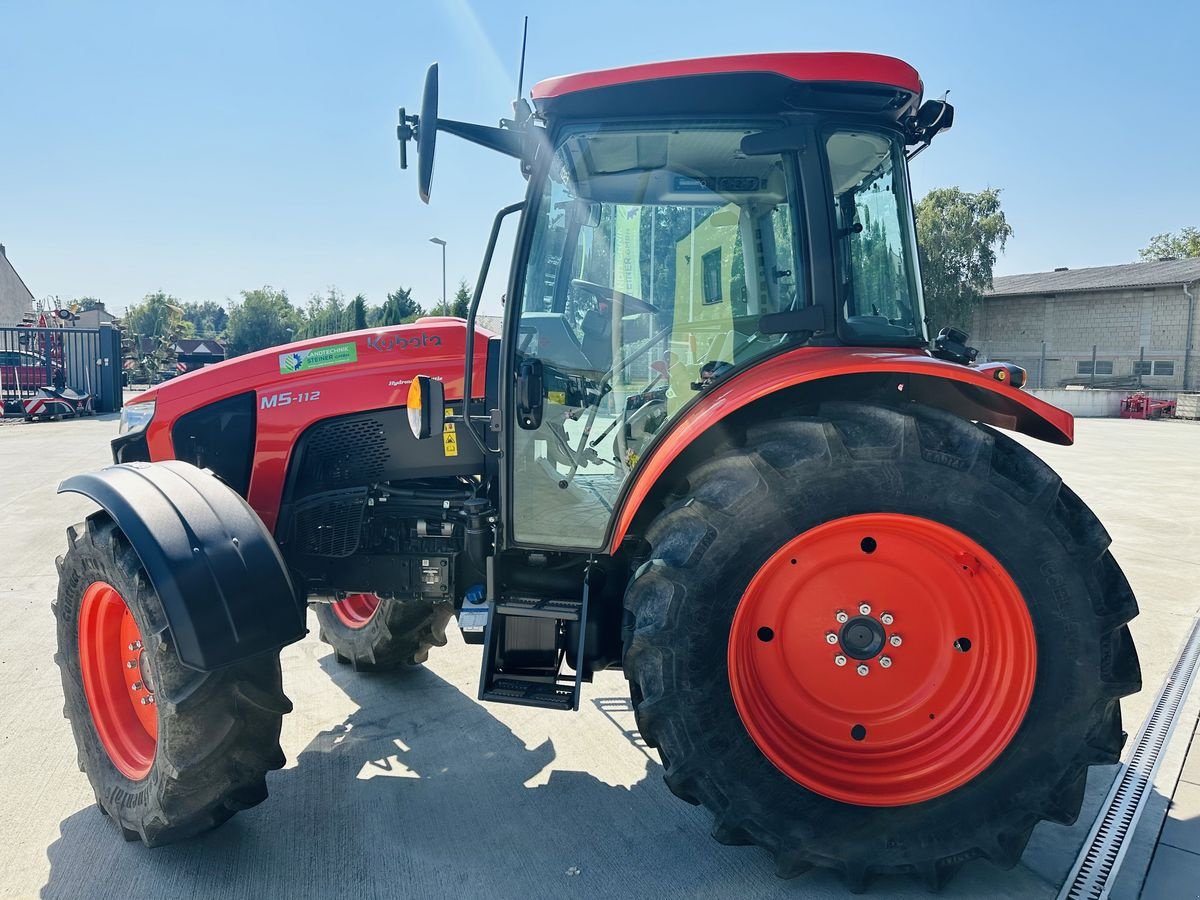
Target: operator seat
597, 337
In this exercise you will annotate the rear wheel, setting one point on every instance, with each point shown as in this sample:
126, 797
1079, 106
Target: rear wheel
373, 633
170, 752
919, 652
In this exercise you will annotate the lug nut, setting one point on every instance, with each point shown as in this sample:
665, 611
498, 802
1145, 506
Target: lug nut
132, 664
136, 686
865, 609
863, 669
148, 700
842, 616
885, 661
839, 660
895, 640
136, 645
831, 638
887, 618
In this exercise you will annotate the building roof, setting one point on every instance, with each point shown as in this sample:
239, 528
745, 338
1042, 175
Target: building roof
1099, 278
13, 269
194, 347
837, 67
187, 346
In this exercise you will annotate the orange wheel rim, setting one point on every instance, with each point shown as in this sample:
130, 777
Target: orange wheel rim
356, 610
882, 659
119, 696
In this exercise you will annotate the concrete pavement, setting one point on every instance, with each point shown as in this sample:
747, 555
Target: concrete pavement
403, 785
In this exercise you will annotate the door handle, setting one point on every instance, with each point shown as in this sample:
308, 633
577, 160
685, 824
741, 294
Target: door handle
530, 393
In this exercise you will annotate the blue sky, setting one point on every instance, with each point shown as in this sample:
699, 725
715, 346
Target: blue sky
203, 149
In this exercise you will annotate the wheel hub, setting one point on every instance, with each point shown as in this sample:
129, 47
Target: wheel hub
356, 610
862, 638
881, 659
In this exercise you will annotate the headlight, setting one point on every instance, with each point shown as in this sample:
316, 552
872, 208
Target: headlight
136, 416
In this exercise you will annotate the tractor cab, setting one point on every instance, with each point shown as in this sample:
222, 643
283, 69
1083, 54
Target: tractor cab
676, 235
683, 222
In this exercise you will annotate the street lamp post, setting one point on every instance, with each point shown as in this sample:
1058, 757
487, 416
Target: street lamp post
439, 241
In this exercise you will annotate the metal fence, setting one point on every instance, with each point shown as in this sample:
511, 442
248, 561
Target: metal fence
86, 360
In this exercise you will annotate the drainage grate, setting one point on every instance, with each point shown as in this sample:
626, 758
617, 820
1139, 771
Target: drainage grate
1095, 869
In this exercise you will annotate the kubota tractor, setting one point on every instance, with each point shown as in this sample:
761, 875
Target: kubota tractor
713, 446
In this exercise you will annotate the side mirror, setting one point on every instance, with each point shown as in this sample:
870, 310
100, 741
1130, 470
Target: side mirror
935, 112
427, 127
426, 407
932, 117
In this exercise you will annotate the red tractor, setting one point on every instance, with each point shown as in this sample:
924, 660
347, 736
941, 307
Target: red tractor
714, 446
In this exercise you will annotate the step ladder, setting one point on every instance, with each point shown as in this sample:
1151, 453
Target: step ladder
524, 651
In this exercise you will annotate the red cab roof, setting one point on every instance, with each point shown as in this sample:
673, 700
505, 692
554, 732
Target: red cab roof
869, 68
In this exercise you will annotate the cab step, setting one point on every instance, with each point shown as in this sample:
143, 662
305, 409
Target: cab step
548, 695
525, 644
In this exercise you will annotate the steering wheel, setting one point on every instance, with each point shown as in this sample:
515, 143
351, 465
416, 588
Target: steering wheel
603, 292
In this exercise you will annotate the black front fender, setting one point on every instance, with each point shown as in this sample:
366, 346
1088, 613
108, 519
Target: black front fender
223, 584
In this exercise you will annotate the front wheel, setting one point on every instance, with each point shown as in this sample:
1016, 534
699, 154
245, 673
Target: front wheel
170, 752
916, 650
374, 633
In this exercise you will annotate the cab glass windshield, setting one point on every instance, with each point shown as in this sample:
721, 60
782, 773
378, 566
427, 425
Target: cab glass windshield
655, 252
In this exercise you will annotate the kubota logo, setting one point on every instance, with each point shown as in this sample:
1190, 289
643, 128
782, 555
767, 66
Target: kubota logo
388, 342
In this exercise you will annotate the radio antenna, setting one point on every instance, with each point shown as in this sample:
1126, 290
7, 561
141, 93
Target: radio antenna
521, 109
521, 74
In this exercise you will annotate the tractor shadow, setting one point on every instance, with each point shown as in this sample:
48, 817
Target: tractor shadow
423, 792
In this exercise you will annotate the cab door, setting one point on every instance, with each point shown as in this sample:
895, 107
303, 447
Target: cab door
653, 253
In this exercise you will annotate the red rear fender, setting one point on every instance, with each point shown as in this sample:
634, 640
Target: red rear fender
973, 392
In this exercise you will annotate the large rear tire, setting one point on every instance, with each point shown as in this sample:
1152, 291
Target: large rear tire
376, 634
170, 752
838, 540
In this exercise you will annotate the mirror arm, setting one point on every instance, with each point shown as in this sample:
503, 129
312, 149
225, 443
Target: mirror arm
511, 143
915, 151
469, 365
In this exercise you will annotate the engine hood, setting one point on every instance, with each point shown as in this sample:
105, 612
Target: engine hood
435, 345
291, 388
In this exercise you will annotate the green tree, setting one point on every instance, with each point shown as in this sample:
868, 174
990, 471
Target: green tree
461, 305
324, 315
157, 315
356, 313
154, 326
264, 318
87, 304
208, 318
1182, 245
959, 235
400, 308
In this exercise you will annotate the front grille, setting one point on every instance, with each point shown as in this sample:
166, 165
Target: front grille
131, 448
220, 436
344, 453
331, 526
